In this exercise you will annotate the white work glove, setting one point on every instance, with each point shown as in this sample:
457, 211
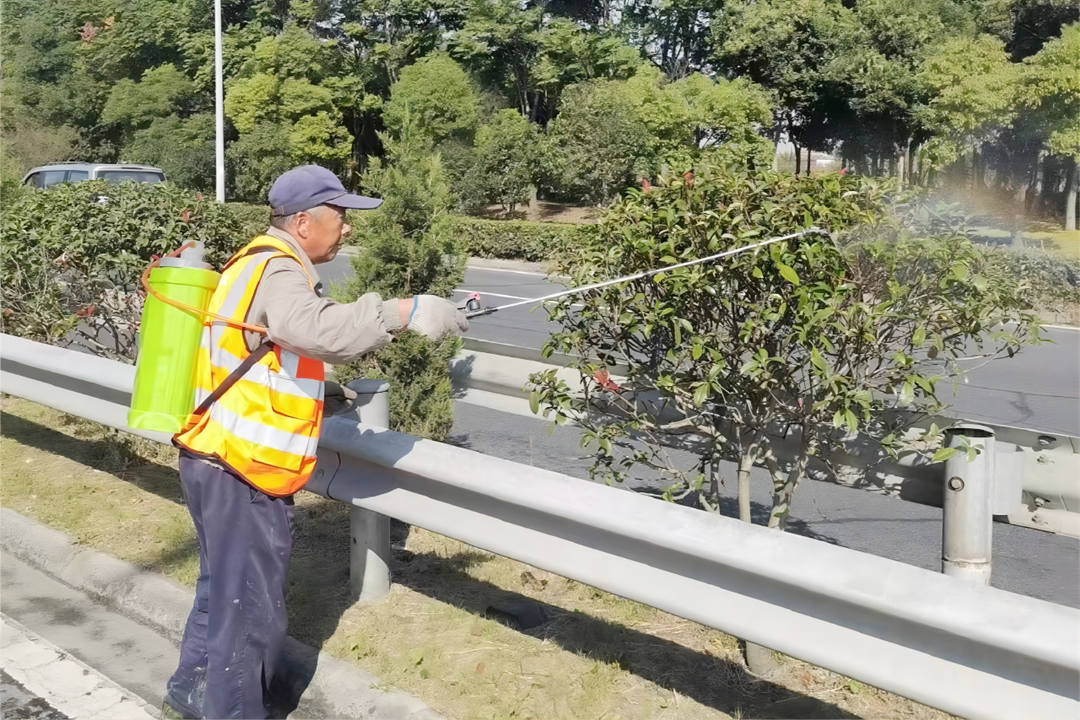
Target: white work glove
436, 317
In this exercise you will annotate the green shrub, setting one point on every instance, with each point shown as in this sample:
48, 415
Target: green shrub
254, 218
72, 256
831, 338
513, 239
407, 248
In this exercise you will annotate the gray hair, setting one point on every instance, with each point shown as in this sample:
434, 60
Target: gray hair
282, 222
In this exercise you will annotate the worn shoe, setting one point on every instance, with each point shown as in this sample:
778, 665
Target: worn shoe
168, 712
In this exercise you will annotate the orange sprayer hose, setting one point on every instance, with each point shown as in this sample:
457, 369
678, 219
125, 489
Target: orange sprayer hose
145, 279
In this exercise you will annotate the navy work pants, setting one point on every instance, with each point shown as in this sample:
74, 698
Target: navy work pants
236, 629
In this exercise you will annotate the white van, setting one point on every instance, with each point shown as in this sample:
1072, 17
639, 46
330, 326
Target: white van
55, 173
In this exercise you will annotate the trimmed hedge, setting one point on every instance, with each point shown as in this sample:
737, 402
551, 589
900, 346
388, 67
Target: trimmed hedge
71, 256
513, 239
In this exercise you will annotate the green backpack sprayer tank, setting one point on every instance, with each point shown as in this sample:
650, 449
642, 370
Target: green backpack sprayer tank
178, 292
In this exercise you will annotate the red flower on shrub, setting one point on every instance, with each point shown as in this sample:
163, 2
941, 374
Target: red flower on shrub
842, 171
603, 379
646, 186
86, 311
185, 215
688, 178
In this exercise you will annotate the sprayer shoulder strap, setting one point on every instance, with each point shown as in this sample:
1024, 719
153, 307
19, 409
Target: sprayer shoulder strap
235, 375
255, 250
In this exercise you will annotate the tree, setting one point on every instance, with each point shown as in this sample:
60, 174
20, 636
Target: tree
784, 45
183, 148
25, 143
500, 42
1026, 25
1050, 92
604, 145
434, 96
571, 54
804, 338
255, 159
505, 162
283, 118
160, 92
674, 35
874, 80
157, 123
724, 110
408, 249
971, 87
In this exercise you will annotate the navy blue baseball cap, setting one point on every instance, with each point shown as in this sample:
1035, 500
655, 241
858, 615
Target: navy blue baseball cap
308, 186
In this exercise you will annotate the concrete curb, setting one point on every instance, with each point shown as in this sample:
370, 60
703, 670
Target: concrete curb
64, 681
335, 687
476, 262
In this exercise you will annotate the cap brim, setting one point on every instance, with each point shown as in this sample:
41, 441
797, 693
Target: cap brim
355, 202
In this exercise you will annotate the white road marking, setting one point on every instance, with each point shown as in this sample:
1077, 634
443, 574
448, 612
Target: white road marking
506, 270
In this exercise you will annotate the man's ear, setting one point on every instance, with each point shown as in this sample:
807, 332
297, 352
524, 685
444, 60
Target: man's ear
300, 225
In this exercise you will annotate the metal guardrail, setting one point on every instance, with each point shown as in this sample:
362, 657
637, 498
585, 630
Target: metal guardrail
970, 650
1038, 473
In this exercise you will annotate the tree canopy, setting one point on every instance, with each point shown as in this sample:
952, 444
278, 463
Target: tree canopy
926, 90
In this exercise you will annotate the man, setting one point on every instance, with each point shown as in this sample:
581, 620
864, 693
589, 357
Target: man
251, 442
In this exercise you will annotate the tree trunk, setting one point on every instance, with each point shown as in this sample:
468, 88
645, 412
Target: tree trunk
1071, 194
798, 158
809, 159
746, 462
1034, 184
783, 490
1022, 187
976, 170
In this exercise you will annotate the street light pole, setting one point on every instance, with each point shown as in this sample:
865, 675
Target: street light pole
219, 109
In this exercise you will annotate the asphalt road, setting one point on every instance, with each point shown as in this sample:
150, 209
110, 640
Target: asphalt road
1038, 389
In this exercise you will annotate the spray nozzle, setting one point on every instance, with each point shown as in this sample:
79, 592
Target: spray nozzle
190, 257
193, 254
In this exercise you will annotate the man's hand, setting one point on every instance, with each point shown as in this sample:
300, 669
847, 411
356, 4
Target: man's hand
433, 316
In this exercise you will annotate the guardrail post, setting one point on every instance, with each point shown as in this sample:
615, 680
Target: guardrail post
967, 523
369, 532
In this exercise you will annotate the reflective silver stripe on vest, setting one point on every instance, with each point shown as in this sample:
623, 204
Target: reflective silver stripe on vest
261, 374
290, 363
259, 434
284, 382
240, 283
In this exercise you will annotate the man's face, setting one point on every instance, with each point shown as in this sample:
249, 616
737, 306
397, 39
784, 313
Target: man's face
320, 231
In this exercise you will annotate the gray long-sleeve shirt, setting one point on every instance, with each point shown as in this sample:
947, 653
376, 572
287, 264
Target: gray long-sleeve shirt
300, 319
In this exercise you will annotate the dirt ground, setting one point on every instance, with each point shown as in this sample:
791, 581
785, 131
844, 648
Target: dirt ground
474, 635
541, 211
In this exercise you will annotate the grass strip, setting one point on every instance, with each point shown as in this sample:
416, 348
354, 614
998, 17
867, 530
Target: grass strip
440, 635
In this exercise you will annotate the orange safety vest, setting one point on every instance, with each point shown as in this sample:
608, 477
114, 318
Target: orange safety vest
266, 426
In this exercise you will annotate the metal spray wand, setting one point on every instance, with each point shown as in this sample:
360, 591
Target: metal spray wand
473, 308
